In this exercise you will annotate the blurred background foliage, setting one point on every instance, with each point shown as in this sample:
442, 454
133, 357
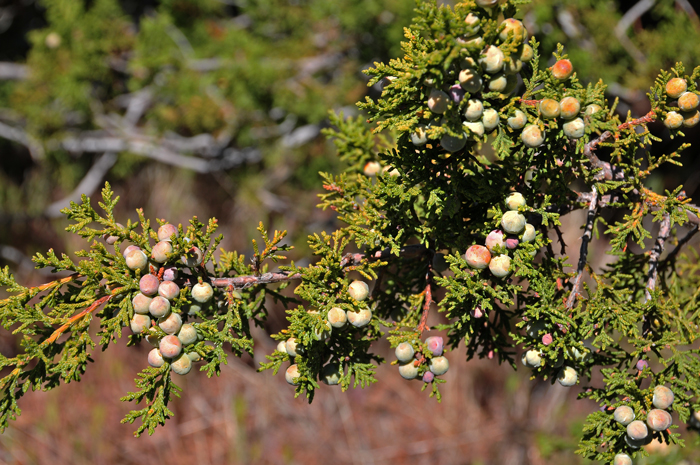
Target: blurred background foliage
214, 108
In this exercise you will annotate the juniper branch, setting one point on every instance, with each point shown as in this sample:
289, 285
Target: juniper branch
583, 254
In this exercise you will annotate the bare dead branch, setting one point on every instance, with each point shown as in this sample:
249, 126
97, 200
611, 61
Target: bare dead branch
13, 71
21, 137
632, 15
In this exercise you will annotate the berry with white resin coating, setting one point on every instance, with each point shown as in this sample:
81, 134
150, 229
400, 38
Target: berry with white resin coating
567, 376
140, 303
136, 259
159, 307
512, 27
169, 290
691, 119
478, 256
492, 60
474, 109
437, 101
419, 136
498, 82
439, 365
673, 120
359, 319
166, 231
324, 333
513, 222
622, 459
532, 136
515, 200
170, 346
529, 234
292, 375
624, 415
194, 356
337, 317
170, 324
187, 334
193, 258
435, 345
358, 290
408, 370
202, 292
527, 53
182, 365
663, 397
160, 251
490, 119
155, 359
475, 128
282, 347
372, 168
533, 358
518, 120
404, 352
293, 347
148, 284
139, 323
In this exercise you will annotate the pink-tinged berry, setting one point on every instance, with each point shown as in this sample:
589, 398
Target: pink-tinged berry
358, 290
404, 352
360, 318
428, 377
166, 232
187, 334
139, 323
496, 238
160, 251
130, 249
456, 93
637, 430
512, 243
408, 370
193, 257
159, 307
182, 365
663, 397
202, 292
624, 415
169, 290
547, 339
136, 259
688, 101
478, 257
148, 284
562, 70
292, 375
439, 365
435, 345
513, 222
170, 346
437, 101
676, 87
155, 359
622, 459
642, 364
337, 317
170, 324
659, 420
532, 136
477, 312
170, 273
141, 303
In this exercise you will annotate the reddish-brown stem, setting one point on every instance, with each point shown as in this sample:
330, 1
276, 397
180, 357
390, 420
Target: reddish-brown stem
423, 326
61, 329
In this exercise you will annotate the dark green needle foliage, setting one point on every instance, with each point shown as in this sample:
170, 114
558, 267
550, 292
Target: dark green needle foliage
415, 230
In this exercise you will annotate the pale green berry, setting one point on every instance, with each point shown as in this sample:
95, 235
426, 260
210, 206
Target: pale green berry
141, 303
136, 260
474, 42
324, 333
515, 201
159, 307
567, 377
439, 365
673, 120
194, 356
337, 317
139, 323
474, 109
676, 87
691, 119
518, 120
359, 319
637, 430
533, 358
569, 107
166, 232
498, 83
170, 346
475, 128
453, 144
404, 352
292, 375
478, 256
192, 309
419, 136
169, 290
529, 234
187, 334
155, 359
622, 459
688, 101
659, 420
575, 129
170, 324
282, 347
549, 108
470, 80
532, 136
358, 290
408, 370
437, 101
514, 27
182, 365
592, 109
293, 347
495, 239
492, 60
663, 397
331, 374
153, 339
160, 251
193, 258
490, 119
513, 222
202, 292
527, 53
500, 266
624, 415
